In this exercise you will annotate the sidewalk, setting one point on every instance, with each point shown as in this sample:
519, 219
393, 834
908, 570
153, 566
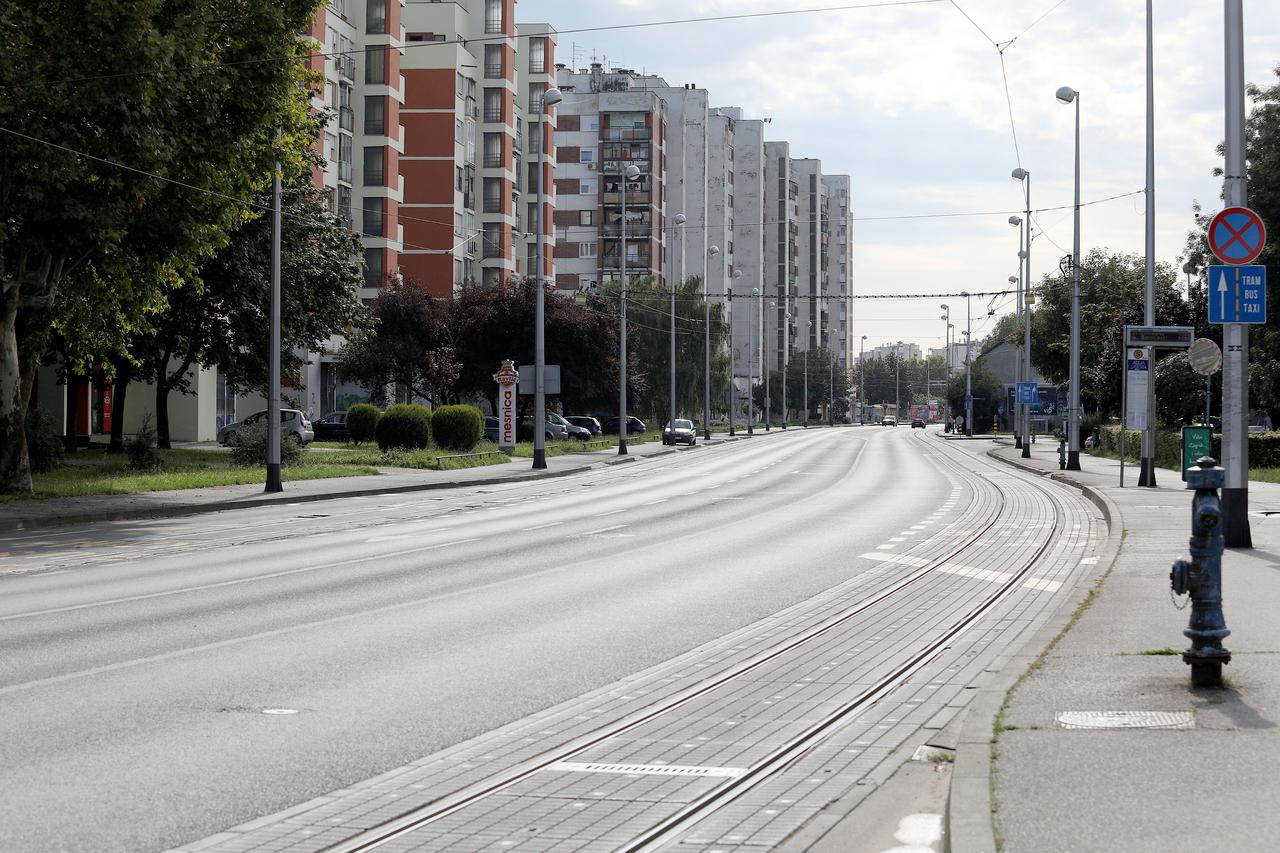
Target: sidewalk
58, 512
1103, 788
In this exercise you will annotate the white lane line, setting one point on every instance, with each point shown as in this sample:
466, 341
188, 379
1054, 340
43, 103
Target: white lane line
903, 559
540, 527
1042, 585
610, 512
604, 529
884, 547
655, 503
898, 539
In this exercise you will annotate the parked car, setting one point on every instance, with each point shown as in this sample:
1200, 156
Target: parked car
586, 422
293, 426
682, 433
888, 420
634, 425
491, 429
573, 430
332, 427
917, 423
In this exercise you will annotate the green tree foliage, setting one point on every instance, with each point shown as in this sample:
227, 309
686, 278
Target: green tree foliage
988, 396
104, 242
915, 380
1111, 296
408, 342
457, 428
1179, 390
362, 422
823, 368
404, 427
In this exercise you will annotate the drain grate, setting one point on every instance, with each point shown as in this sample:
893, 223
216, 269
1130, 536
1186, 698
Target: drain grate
1125, 719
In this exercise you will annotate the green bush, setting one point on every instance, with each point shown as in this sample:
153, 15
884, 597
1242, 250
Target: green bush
1264, 448
44, 443
404, 427
362, 422
140, 450
250, 449
457, 428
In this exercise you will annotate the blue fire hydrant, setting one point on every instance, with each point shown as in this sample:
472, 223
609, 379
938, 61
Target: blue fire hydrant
1062, 451
1202, 577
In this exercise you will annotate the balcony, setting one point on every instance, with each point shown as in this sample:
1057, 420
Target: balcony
626, 134
493, 115
637, 197
346, 118
344, 171
493, 161
616, 166
634, 229
492, 205
346, 66
634, 262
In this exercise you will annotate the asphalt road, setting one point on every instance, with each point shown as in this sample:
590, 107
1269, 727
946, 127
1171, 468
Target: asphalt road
142, 660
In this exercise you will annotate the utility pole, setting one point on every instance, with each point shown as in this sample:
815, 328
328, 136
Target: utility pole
1147, 471
968, 372
678, 220
1235, 336
273, 357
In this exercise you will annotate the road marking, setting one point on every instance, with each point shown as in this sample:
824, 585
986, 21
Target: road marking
604, 529
540, 526
1042, 585
898, 539
611, 512
903, 559
976, 574
655, 503
648, 769
883, 547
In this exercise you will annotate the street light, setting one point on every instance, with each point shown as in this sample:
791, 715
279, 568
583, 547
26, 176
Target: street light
712, 251
628, 174
677, 221
1068, 95
1016, 281
808, 327
767, 362
786, 362
968, 378
550, 98
1021, 174
751, 357
862, 380
733, 367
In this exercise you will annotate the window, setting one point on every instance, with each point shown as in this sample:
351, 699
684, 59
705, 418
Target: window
533, 185
537, 56
331, 147
373, 268
373, 170
587, 188
462, 85
457, 224
372, 217
586, 250
533, 215
375, 115
493, 105
492, 240
493, 61
493, 195
457, 131
586, 155
585, 217
493, 16
375, 65
536, 91
342, 205
493, 150
344, 157
457, 178
375, 16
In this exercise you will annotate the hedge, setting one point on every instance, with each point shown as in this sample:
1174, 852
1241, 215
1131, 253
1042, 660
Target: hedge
362, 422
457, 428
1264, 447
404, 426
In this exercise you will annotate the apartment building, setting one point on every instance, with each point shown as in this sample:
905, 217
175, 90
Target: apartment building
905, 351
839, 301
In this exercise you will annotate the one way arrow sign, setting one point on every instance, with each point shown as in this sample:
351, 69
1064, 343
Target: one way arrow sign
1238, 294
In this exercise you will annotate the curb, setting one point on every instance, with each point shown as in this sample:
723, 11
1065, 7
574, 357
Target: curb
971, 811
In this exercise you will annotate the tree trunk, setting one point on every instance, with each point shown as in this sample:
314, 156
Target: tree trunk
118, 390
15, 468
162, 414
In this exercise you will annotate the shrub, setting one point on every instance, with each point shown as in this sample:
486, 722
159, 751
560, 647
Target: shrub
362, 422
44, 444
457, 428
250, 449
404, 427
140, 450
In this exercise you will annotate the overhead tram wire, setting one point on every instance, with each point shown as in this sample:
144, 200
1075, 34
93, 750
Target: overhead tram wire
497, 38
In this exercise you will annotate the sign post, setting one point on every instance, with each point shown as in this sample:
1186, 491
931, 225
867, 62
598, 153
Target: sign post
1205, 359
1197, 441
507, 377
1028, 393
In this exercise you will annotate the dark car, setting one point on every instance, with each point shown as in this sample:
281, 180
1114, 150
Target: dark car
683, 433
491, 429
332, 427
634, 425
917, 424
587, 422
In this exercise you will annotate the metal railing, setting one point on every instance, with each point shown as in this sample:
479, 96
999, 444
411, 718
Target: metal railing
468, 456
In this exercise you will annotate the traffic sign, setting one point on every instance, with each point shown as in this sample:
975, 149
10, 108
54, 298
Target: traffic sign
1028, 393
1237, 235
1165, 337
1238, 294
968, 402
1137, 380
1205, 357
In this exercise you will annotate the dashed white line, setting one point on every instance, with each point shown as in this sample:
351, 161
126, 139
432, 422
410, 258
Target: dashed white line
540, 526
604, 529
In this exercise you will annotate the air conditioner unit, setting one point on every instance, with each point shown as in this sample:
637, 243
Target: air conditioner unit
591, 167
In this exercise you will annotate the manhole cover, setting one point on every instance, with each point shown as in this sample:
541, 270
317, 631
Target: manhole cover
1125, 719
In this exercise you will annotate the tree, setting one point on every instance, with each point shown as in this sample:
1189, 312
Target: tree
176, 153
988, 395
408, 342
822, 367
1179, 390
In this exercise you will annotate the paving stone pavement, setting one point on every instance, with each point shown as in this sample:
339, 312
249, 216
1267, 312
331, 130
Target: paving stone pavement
1212, 786
599, 771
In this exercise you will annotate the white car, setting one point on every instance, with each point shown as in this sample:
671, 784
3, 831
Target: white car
888, 420
293, 425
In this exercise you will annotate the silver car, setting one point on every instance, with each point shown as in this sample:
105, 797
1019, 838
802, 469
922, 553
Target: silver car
571, 430
293, 426
682, 433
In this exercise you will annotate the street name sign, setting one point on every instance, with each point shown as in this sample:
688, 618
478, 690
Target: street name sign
1237, 236
1165, 337
1137, 378
1238, 294
1028, 393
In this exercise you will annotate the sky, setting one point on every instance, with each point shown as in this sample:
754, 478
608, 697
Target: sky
910, 101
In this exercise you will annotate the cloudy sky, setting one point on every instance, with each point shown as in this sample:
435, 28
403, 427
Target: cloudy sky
909, 100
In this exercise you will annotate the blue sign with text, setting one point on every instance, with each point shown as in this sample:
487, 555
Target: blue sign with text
1238, 294
1027, 395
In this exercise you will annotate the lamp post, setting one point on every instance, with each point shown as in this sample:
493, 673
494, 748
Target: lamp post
968, 378
1068, 95
1016, 281
733, 367
786, 362
1021, 174
808, 326
862, 380
712, 251
550, 98
767, 368
897, 380
273, 483
677, 221
628, 174
751, 358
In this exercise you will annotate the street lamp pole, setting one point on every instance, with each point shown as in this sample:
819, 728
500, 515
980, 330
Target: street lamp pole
808, 325
629, 173
678, 220
1020, 174
1067, 95
897, 380
1147, 469
862, 379
751, 358
766, 367
1016, 281
968, 361
550, 98
786, 357
273, 483
706, 350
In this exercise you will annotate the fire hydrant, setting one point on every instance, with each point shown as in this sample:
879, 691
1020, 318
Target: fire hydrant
1202, 577
1062, 452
